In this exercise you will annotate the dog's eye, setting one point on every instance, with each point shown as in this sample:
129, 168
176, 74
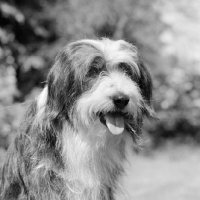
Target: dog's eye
93, 71
126, 69
96, 67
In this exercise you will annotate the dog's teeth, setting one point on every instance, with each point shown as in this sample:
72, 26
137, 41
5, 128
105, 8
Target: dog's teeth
115, 123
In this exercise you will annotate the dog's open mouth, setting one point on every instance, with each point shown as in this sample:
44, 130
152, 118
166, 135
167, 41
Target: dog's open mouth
114, 121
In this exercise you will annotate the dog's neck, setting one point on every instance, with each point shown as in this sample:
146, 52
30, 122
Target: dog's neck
93, 159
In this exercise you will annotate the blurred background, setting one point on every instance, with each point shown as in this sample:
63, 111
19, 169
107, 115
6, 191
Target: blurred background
167, 34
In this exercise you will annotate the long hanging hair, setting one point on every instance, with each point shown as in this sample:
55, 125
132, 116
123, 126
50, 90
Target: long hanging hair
65, 148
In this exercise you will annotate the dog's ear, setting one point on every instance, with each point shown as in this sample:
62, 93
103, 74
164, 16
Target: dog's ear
65, 79
63, 89
146, 87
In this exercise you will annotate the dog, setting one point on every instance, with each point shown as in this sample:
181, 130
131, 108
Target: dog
73, 140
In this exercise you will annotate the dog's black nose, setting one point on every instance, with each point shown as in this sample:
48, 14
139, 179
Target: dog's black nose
120, 101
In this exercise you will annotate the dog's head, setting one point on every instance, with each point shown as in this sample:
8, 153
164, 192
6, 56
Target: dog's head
100, 81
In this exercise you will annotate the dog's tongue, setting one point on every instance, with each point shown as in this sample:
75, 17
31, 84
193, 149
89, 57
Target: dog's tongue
115, 123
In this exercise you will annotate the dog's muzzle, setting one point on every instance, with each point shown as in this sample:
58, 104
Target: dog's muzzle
114, 120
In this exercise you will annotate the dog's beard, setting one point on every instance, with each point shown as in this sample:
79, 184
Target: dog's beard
102, 129
96, 104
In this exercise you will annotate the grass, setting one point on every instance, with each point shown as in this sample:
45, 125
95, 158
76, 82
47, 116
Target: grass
172, 173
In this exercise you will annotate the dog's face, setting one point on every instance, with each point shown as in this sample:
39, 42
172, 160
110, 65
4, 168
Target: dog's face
100, 82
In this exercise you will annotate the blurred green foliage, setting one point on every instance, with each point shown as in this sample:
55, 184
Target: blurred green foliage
166, 34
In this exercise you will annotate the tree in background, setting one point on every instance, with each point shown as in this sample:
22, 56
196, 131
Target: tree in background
22, 68
178, 94
32, 33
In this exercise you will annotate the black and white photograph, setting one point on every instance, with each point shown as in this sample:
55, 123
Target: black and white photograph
99, 100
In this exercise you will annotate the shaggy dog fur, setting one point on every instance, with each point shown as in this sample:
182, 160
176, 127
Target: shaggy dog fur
72, 142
